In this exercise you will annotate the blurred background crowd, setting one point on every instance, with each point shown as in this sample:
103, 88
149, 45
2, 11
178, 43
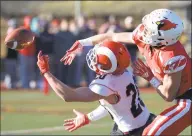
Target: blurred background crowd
55, 34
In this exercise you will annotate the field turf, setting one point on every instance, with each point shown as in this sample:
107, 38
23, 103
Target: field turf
32, 113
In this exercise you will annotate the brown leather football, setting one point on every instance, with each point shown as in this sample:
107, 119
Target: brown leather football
19, 38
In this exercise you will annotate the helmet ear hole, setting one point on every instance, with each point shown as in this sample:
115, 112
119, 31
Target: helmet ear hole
104, 62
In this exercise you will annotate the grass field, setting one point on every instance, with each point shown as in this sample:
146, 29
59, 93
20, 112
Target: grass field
32, 113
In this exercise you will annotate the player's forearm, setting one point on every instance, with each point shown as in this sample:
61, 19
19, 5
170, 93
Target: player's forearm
97, 114
124, 37
167, 90
81, 94
162, 91
93, 40
59, 88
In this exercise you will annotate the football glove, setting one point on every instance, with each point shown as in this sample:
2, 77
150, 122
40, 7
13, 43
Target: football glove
140, 69
43, 63
75, 123
71, 53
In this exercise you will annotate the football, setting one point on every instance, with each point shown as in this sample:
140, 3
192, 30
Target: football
19, 38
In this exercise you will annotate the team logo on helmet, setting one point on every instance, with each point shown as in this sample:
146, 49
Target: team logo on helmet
165, 25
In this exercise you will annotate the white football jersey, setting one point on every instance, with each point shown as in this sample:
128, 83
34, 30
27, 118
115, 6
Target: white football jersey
130, 112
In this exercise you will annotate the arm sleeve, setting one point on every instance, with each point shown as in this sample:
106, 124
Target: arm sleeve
97, 114
101, 89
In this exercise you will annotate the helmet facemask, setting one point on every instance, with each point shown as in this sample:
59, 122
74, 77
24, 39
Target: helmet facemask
91, 59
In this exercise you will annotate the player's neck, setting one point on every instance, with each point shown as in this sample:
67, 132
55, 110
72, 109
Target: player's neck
156, 48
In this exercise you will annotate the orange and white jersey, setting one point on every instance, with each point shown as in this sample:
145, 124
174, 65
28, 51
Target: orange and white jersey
166, 60
130, 112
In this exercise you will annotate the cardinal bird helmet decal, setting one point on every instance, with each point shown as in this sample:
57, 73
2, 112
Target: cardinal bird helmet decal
161, 27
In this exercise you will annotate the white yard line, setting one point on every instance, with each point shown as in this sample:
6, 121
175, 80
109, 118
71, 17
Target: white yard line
48, 129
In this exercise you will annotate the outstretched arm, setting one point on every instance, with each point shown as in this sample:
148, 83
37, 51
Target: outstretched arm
77, 47
124, 37
82, 94
83, 119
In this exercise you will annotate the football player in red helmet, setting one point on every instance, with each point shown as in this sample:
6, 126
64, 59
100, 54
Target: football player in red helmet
168, 68
114, 87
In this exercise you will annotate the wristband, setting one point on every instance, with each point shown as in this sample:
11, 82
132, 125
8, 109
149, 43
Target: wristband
86, 42
87, 121
155, 82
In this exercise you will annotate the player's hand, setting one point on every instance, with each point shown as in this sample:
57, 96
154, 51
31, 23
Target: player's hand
71, 53
140, 69
75, 123
43, 63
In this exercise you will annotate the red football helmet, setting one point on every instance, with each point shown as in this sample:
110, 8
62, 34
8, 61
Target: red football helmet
108, 57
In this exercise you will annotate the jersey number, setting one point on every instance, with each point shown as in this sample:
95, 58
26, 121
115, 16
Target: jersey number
135, 108
100, 76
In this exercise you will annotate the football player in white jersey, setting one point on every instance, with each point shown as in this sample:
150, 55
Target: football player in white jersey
114, 87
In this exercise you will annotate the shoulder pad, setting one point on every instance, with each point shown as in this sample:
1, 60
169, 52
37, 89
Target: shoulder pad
101, 79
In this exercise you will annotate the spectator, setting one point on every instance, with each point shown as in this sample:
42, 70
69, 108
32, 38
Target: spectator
27, 61
103, 28
54, 26
129, 27
92, 25
45, 42
114, 25
10, 62
110, 25
34, 25
12, 24
63, 40
73, 27
84, 30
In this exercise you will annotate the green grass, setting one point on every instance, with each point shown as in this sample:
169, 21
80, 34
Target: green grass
33, 110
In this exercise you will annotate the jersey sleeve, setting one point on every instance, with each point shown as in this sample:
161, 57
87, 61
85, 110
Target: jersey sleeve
101, 85
100, 89
98, 113
174, 64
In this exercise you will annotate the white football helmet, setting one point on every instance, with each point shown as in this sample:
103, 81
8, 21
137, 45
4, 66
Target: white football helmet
161, 27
